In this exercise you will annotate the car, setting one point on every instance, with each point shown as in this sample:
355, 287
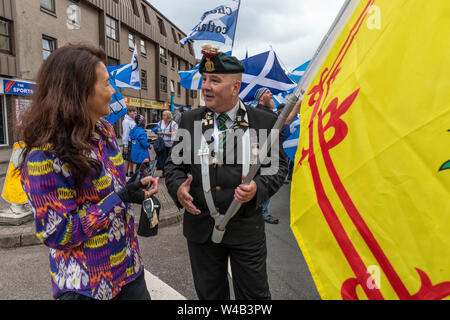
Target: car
150, 134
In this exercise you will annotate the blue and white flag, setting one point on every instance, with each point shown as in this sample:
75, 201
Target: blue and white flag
127, 75
191, 79
263, 70
291, 143
117, 105
298, 72
216, 25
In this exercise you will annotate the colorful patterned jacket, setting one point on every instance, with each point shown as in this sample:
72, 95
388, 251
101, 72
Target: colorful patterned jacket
94, 247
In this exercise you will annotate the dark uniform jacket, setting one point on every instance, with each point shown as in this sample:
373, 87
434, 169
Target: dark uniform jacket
248, 223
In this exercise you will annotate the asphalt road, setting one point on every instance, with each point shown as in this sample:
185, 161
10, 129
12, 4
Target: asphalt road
24, 271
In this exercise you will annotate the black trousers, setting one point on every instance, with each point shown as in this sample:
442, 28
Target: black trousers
209, 263
136, 290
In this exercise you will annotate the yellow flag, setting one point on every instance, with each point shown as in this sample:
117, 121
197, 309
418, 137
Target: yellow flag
370, 199
12, 188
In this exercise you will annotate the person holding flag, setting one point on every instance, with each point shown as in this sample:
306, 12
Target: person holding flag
206, 189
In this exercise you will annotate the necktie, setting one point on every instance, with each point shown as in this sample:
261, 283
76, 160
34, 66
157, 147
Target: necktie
221, 120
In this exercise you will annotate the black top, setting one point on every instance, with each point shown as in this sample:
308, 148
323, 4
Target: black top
248, 223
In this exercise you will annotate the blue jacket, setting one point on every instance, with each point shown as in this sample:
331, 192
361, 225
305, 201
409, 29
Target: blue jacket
139, 145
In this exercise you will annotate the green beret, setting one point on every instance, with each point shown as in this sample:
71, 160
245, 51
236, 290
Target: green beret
220, 63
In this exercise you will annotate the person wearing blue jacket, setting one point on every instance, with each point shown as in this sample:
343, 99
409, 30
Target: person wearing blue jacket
139, 141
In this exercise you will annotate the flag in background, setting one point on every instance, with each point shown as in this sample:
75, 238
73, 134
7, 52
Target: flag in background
191, 79
291, 143
298, 72
127, 75
117, 105
216, 25
369, 202
263, 70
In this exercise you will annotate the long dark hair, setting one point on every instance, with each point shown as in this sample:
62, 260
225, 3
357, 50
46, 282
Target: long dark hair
59, 114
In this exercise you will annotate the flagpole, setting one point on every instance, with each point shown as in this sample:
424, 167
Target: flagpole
220, 226
235, 25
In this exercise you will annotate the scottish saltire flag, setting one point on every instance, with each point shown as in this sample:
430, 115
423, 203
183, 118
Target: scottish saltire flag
291, 143
191, 79
117, 105
127, 75
263, 70
216, 25
298, 72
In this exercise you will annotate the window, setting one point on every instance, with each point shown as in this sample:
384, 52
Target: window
172, 61
179, 38
48, 46
130, 40
146, 16
111, 28
48, 5
174, 35
162, 55
5, 38
178, 64
73, 15
143, 48
193, 94
143, 79
191, 49
162, 29
172, 86
179, 89
163, 84
135, 8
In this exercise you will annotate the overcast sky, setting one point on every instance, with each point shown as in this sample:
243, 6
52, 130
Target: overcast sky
294, 28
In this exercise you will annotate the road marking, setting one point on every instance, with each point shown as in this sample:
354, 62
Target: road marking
159, 290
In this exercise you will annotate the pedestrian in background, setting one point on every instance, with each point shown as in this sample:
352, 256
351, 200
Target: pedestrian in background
73, 173
266, 104
128, 123
168, 130
139, 142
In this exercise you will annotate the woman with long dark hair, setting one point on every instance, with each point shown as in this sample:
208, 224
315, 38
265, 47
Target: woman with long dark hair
74, 176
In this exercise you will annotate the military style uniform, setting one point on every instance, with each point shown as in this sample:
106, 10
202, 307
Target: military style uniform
244, 240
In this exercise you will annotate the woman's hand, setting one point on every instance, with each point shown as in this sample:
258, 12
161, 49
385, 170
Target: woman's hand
152, 184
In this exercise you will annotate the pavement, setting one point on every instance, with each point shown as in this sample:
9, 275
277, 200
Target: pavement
12, 236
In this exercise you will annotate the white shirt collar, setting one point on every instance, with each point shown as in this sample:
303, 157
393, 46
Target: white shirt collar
232, 113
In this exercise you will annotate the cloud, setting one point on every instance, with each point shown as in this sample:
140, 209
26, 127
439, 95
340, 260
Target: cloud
294, 28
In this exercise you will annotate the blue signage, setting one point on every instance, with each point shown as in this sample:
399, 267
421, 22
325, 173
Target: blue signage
18, 88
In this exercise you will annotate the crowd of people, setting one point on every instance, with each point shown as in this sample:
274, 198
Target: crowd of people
80, 185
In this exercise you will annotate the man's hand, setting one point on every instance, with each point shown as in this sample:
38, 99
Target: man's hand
185, 198
245, 192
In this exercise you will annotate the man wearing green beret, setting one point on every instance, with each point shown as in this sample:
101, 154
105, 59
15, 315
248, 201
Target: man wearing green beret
204, 183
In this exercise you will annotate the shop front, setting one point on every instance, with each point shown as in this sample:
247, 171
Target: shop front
150, 109
15, 98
